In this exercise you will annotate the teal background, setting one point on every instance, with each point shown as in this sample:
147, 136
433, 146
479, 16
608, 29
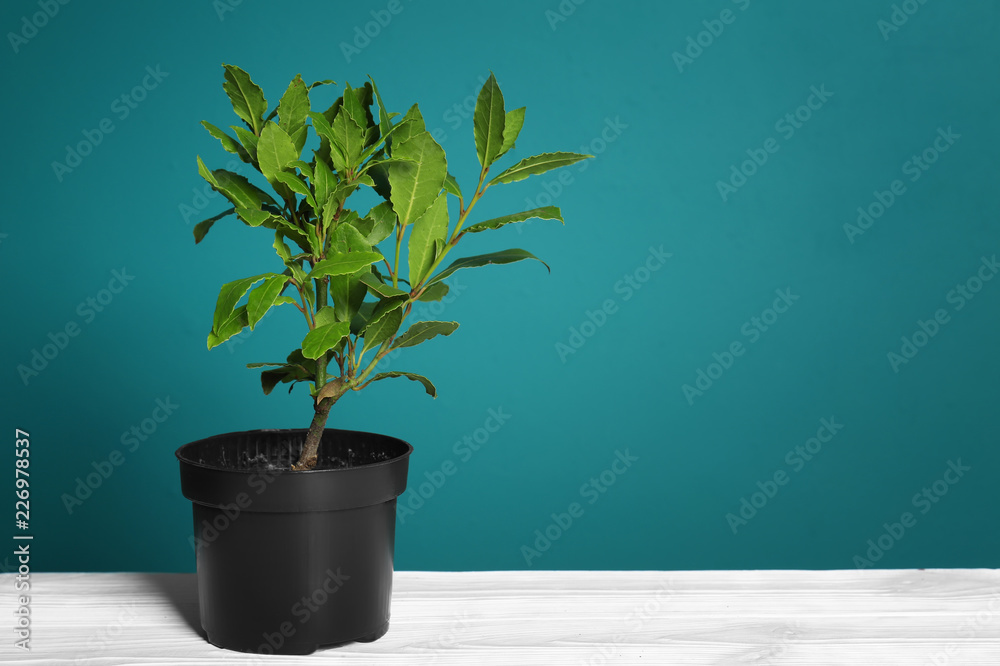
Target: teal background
653, 185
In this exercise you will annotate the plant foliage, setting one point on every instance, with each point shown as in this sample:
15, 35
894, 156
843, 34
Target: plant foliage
353, 296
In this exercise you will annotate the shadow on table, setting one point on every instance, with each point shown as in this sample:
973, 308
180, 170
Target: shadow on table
181, 590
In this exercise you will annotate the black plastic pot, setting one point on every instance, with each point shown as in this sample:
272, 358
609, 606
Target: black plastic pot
289, 561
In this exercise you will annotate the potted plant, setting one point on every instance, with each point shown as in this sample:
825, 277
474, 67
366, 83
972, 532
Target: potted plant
294, 529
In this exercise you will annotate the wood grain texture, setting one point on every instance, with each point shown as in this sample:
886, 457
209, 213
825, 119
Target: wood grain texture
878, 617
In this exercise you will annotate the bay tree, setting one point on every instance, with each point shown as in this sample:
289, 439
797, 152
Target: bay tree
353, 296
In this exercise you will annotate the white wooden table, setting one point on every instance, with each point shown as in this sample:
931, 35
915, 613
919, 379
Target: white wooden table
872, 617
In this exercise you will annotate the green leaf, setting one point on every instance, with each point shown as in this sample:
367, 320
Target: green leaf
348, 295
313, 239
323, 181
299, 139
513, 122
423, 331
229, 143
282, 248
263, 297
232, 325
254, 217
369, 124
410, 126
378, 288
297, 185
347, 291
323, 82
324, 338
353, 106
415, 185
270, 378
344, 264
326, 315
202, 227
294, 106
248, 139
370, 313
289, 231
502, 257
285, 373
434, 292
376, 145
230, 295
384, 122
384, 222
429, 228
544, 213
348, 137
321, 124
431, 391
246, 96
451, 186
532, 166
303, 168
274, 150
379, 173
381, 329
361, 318
488, 122
347, 238
241, 191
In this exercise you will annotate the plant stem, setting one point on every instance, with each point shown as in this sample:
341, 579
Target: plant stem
383, 350
309, 455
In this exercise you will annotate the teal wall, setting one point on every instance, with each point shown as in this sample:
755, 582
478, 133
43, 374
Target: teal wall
730, 341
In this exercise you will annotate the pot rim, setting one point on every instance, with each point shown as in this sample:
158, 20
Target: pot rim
179, 452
